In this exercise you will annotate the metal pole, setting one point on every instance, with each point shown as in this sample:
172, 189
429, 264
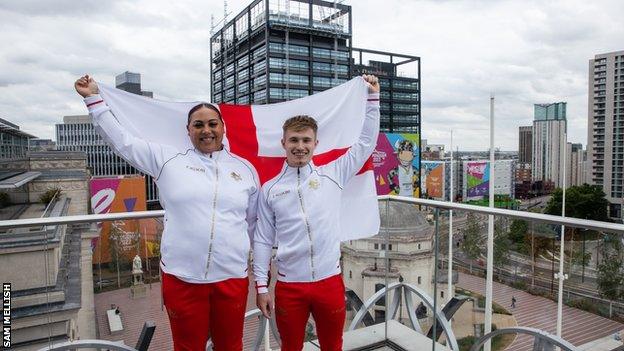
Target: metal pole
449, 292
490, 238
583, 262
562, 242
435, 279
387, 271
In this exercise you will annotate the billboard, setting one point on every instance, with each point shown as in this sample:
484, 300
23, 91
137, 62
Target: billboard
396, 162
433, 181
123, 238
477, 176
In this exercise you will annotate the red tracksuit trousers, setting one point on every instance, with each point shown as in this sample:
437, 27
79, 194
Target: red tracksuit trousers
325, 299
200, 311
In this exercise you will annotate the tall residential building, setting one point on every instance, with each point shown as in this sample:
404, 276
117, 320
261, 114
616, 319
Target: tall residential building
574, 165
13, 141
605, 130
274, 51
525, 147
549, 138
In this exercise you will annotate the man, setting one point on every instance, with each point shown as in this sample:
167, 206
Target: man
299, 212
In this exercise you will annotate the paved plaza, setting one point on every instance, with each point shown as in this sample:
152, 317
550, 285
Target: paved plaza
579, 327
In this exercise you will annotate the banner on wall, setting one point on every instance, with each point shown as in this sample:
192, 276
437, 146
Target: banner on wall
477, 176
396, 162
433, 182
125, 238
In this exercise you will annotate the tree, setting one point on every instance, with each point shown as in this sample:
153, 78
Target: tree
518, 230
610, 277
584, 201
502, 245
473, 241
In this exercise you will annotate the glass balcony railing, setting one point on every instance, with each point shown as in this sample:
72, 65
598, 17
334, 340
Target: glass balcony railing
461, 275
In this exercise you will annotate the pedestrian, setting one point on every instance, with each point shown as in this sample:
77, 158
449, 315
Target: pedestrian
210, 198
513, 302
299, 212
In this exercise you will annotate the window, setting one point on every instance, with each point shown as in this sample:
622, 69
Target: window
229, 81
260, 96
419, 280
243, 74
259, 67
259, 82
243, 88
257, 15
229, 69
244, 100
243, 61
277, 48
276, 62
241, 27
376, 246
298, 50
259, 52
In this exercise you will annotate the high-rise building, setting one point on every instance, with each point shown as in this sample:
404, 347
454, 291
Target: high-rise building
274, 51
574, 165
399, 80
13, 141
549, 138
281, 50
131, 82
605, 129
525, 147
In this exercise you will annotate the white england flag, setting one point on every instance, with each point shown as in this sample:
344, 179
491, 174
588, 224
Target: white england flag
254, 133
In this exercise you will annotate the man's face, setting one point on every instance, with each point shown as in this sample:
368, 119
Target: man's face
206, 130
405, 157
299, 146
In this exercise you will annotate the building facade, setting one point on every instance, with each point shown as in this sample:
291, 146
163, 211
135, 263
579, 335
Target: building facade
575, 165
131, 82
274, 51
605, 128
549, 139
525, 144
13, 141
399, 80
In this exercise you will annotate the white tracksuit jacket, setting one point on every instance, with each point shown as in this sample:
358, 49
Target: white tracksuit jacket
210, 201
299, 211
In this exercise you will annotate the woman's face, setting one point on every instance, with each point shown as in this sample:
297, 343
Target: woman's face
205, 130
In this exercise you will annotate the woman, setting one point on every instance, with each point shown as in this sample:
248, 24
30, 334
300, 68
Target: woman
210, 198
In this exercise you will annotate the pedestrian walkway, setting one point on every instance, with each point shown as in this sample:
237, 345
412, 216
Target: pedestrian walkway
579, 327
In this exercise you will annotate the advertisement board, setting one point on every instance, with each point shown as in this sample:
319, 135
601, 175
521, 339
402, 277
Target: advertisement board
396, 162
477, 176
124, 238
433, 181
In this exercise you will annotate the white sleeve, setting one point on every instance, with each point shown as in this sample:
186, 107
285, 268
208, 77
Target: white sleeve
264, 239
347, 165
145, 156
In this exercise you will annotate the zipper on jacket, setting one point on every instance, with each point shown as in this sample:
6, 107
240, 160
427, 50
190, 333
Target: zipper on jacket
307, 223
214, 210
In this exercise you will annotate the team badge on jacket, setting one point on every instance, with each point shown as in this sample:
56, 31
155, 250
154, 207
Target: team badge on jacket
236, 176
314, 184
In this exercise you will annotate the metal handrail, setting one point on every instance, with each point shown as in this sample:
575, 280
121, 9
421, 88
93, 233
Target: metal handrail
567, 221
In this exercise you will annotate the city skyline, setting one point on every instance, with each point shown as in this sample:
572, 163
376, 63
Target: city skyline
524, 52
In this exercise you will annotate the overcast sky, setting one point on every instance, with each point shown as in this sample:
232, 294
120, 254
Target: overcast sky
525, 52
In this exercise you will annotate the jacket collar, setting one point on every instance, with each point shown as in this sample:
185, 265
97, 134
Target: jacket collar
303, 171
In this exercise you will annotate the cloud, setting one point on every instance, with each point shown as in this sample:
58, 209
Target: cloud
524, 52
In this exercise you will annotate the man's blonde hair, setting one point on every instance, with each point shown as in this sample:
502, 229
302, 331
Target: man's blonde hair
299, 123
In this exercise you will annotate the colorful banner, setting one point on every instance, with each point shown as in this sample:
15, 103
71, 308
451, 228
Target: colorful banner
433, 179
477, 176
396, 162
123, 238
